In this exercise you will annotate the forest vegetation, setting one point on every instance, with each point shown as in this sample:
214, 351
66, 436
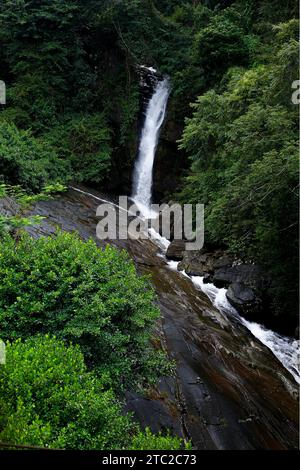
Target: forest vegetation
73, 105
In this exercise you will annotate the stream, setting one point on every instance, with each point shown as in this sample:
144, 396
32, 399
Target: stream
235, 383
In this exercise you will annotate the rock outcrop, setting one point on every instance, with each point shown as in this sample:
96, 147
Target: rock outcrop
176, 250
245, 282
249, 274
203, 262
8, 206
244, 299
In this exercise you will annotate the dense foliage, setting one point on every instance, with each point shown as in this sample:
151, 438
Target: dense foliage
73, 104
53, 394
26, 161
67, 81
49, 399
243, 146
78, 292
85, 142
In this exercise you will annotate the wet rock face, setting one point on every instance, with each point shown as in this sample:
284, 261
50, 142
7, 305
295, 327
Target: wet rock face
148, 80
157, 410
243, 299
176, 250
203, 262
249, 274
170, 162
169, 166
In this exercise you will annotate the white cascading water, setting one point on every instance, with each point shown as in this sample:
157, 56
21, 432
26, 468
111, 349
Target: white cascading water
142, 178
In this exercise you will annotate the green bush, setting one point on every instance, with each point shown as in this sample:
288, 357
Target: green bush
90, 296
144, 440
223, 43
85, 142
26, 161
47, 398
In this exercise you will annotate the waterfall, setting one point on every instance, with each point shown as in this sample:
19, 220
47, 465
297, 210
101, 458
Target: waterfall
142, 178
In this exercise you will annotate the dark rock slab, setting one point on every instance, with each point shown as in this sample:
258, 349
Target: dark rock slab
175, 250
8, 206
249, 274
201, 262
158, 410
243, 298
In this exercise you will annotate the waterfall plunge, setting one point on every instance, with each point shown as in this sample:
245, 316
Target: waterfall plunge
142, 178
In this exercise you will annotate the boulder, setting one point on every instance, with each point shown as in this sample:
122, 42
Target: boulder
8, 206
244, 299
245, 282
248, 274
202, 262
175, 250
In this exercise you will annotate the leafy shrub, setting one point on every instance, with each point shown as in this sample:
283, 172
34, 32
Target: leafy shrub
85, 142
223, 43
147, 440
48, 398
89, 296
26, 161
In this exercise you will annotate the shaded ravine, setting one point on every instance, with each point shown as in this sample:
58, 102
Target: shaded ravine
230, 391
